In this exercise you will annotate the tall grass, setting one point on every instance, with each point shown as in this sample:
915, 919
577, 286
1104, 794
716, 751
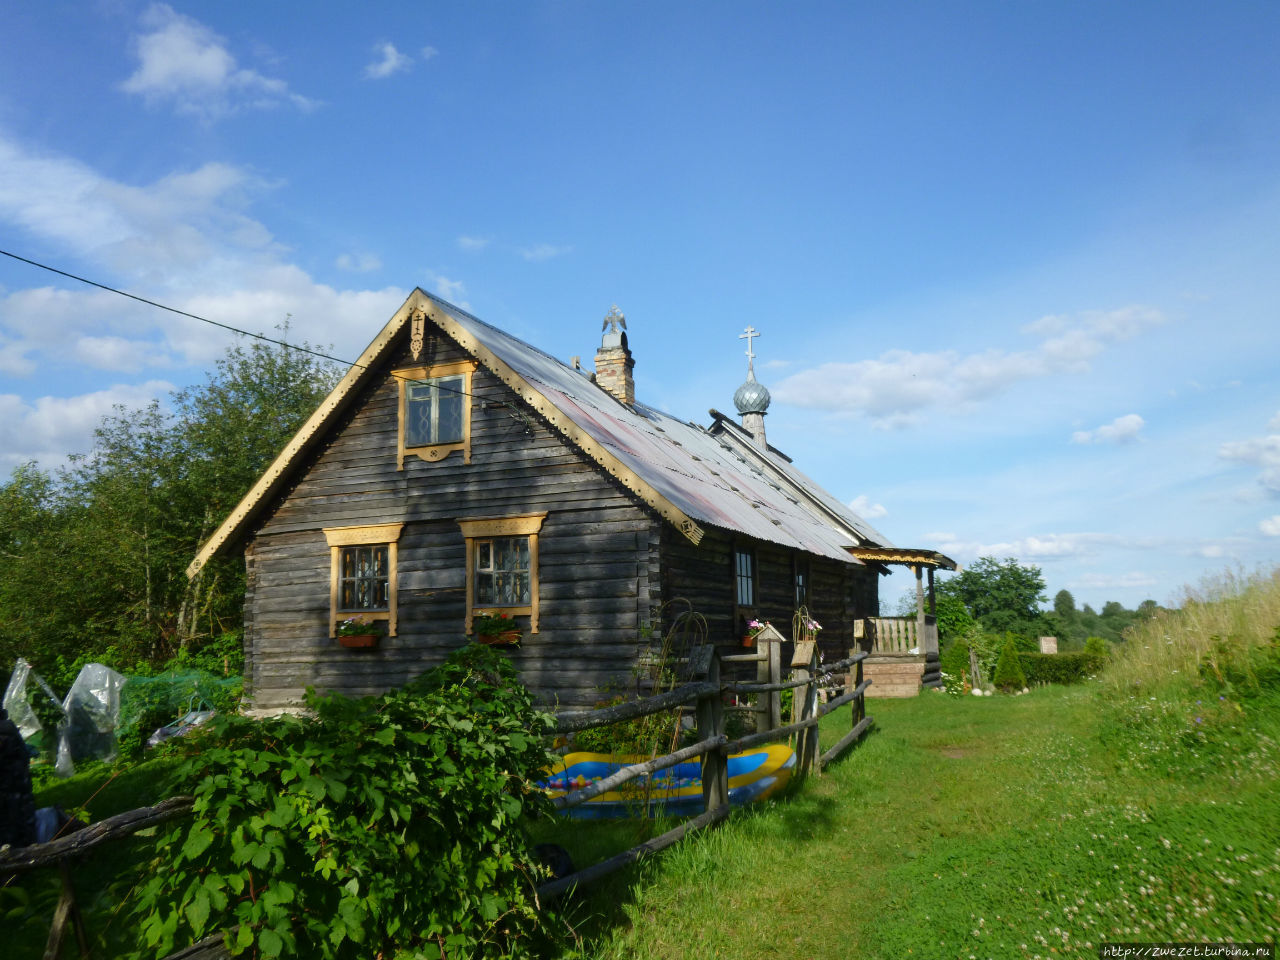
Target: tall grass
1221, 629
1195, 692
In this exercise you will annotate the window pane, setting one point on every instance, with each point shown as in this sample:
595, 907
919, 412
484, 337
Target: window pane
449, 411
417, 414
503, 577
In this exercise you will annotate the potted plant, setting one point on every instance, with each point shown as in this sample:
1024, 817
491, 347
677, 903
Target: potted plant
754, 629
360, 632
495, 628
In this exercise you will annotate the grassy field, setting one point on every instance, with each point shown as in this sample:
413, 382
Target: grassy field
1142, 806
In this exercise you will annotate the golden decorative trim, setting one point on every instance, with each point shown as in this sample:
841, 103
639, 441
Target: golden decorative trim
519, 525
375, 534
435, 452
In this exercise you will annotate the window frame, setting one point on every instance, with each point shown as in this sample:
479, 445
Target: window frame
476, 530
802, 573
366, 535
434, 452
741, 550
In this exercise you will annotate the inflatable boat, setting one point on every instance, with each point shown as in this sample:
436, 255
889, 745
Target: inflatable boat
674, 792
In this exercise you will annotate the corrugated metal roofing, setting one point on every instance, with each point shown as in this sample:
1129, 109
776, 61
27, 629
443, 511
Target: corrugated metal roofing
714, 479
690, 474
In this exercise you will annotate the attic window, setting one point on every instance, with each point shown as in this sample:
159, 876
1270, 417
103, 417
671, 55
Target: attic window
435, 411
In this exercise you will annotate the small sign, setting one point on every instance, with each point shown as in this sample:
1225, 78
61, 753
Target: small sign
804, 653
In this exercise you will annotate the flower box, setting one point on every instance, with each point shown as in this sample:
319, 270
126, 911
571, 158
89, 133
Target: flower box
499, 639
359, 641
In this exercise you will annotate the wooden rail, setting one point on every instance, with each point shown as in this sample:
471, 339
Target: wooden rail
705, 695
713, 744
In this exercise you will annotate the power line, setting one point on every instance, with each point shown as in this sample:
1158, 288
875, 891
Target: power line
224, 326
181, 313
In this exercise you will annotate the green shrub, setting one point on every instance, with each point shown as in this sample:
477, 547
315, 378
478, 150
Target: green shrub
1097, 646
1009, 674
380, 825
1059, 667
955, 659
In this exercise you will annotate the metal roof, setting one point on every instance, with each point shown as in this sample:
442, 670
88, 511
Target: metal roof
707, 474
688, 473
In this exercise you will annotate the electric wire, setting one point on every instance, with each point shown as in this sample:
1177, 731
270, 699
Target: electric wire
225, 326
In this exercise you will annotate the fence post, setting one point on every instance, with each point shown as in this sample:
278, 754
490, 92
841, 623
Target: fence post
804, 666
715, 763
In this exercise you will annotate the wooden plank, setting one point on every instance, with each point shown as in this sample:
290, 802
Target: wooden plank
625, 774
853, 735
557, 888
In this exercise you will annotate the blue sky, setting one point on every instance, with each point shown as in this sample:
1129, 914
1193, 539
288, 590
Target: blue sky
1014, 265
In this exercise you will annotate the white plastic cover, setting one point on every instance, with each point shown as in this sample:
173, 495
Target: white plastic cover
92, 707
15, 701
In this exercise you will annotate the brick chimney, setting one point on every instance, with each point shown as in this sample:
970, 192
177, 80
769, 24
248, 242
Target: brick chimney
613, 359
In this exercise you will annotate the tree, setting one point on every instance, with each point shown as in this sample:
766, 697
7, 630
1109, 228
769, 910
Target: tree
94, 558
1064, 604
1000, 595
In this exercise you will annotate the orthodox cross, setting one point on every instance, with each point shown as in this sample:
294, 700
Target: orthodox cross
751, 357
614, 318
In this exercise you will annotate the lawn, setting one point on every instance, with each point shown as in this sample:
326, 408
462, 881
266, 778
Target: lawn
984, 827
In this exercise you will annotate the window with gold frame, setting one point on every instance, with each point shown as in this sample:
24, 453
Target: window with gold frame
502, 566
434, 411
362, 573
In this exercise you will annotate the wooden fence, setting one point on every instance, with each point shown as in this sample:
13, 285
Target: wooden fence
705, 692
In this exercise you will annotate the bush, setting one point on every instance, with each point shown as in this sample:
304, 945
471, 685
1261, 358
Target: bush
1059, 667
1097, 646
385, 824
1009, 674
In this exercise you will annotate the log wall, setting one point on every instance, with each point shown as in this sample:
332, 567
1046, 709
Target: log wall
597, 565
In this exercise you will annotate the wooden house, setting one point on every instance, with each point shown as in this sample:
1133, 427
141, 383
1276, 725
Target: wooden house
457, 471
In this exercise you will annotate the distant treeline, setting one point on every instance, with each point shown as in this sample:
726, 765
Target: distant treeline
999, 597
93, 555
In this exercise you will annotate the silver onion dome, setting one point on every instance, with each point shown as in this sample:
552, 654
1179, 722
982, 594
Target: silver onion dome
752, 396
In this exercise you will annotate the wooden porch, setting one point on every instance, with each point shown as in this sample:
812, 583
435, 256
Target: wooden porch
904, 650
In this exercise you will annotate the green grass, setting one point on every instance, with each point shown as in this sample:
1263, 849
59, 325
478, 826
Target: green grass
962, 827
27, 901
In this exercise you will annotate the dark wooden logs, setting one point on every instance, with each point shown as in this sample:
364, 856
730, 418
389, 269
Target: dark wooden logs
862, 726
586, 719
81, 842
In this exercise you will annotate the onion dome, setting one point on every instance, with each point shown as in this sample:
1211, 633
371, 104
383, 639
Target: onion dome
752, 396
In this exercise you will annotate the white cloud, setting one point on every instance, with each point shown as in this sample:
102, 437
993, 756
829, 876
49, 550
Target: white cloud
473, 243
118, 354
183, 62
451, 290
543, 251
1120, 430
49, 428
1262, 452
180, 224
1050, 546
427, 53
1271, 526
186, 232
896, 388
391, 61
863, 507
1109, 581
358, 262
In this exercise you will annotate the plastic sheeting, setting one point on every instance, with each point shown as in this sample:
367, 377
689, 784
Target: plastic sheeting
15, 701
92, 707
91, 712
